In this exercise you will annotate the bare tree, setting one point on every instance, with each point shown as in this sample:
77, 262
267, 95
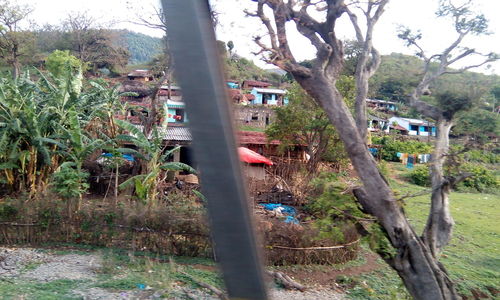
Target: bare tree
368, 59
438, 229
12, 37
410, 255
83, 29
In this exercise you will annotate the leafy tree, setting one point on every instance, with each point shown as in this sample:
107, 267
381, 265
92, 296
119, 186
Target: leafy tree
303, 122
94, 45
230, 47
478, 124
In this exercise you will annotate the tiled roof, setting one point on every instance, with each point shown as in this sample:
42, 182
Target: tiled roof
250, 97
254, 137
256, 83
397, 127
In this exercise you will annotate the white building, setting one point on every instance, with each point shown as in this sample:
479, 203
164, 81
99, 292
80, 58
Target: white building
415, 126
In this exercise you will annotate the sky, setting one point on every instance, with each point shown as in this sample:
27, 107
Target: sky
235, 26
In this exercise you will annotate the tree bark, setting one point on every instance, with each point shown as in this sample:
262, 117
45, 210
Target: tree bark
438, 229
360, 105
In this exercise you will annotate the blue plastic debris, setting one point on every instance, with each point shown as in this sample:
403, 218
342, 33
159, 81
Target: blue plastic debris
285, 208
291, 220
141, 286
128, 157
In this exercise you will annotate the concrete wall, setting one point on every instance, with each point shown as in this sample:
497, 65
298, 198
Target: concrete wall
253, 115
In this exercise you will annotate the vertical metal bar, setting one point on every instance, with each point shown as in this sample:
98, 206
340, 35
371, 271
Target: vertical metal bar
194, 50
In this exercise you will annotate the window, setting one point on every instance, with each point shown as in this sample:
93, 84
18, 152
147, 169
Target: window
266, 98
179, 115
425, 128
255, 116
413, 127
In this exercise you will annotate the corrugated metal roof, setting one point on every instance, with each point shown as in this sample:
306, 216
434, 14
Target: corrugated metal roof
380, 101
172, 133
172, 87
270, 91
175, 104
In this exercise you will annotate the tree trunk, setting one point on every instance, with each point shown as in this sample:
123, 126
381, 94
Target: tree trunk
438, 229
15, 69
421, 273
360, 104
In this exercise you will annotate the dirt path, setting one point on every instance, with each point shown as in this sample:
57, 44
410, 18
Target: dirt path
34, 274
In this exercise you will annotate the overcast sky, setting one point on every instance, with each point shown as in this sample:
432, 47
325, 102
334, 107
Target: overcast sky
240, 29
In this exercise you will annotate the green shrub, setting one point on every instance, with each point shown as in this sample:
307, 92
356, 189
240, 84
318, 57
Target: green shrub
420, 176
328, 205
69, 182
481, 180
391, 146
482, 156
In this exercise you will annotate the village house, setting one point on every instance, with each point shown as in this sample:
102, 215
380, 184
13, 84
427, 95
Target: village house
258, 142
141, 75
382, 105
257, 116
250, 84
267, 96
175, 112
239, 97
376, 124
172, 92
415, 126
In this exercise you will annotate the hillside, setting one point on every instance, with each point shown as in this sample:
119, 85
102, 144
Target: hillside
142, 48
399, 73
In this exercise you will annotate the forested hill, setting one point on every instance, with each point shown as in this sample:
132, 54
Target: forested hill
142, 48
399, 73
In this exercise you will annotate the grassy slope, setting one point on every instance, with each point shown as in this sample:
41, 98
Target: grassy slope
473, 256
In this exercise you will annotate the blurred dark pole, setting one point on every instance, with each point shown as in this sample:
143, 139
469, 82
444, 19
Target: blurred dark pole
197, 67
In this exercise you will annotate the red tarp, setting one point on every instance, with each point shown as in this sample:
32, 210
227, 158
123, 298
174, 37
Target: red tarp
252, 157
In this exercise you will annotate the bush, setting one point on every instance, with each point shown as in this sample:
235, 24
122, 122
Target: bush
482, 179
420, 176
328, 205
391, 146
69, 182
482, 156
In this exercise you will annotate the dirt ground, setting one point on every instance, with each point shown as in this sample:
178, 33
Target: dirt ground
34, 267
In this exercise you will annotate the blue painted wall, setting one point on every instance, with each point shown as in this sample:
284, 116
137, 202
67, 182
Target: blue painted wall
171, 113
273, 101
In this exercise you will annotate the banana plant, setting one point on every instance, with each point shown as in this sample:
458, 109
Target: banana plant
155, 158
